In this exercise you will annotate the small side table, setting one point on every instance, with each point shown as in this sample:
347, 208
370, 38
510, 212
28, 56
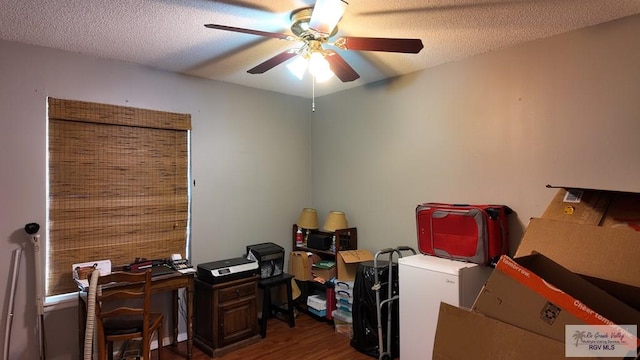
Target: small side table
267, 308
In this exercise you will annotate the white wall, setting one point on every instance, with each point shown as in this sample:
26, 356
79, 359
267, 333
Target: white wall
494, 128
250, 161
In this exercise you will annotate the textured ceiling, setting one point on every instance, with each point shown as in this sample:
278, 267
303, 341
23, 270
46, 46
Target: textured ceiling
169, 34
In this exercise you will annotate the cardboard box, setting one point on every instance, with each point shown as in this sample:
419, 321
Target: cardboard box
623, 212
300, 265
589, 240
602, 254
595, 207
462, 335
347, 263
594, 251
538, 295
578, 206
326, 274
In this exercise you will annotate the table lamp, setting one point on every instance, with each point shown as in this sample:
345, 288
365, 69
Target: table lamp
308, 220
335, 220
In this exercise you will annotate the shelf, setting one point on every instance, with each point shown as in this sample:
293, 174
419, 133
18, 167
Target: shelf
307, 249
308, 288
346, 239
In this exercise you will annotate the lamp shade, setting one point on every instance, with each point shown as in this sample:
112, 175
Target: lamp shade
335, 220
308, 219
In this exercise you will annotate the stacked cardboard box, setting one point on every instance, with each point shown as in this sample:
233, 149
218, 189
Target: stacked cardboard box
576, 265
324, 269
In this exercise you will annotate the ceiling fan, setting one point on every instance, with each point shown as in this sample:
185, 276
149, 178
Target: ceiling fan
314, 27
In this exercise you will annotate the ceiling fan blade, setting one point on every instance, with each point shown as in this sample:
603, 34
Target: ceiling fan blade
412, 46
326, 14
340, 67
273, 62
250, 31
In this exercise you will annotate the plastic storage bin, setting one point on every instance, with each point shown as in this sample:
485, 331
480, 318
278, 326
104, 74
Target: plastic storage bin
343, 322
317, 302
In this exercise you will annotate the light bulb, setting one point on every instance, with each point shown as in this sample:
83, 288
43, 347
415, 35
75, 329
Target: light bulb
319, 67
317, 63
298, 66
324, 75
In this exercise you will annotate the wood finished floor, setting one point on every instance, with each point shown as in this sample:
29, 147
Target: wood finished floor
310, 339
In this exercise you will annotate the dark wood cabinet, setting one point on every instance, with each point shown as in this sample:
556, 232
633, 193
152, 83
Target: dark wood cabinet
226, 315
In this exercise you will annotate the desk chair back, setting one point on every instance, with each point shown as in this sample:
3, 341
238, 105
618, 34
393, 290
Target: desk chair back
123, 313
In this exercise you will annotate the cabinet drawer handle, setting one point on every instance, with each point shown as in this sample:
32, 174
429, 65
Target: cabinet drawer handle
238, 292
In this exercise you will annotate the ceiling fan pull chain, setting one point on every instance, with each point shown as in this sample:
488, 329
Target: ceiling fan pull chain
313, 93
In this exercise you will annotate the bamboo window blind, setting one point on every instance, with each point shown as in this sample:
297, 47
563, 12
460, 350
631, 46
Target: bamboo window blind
118, 186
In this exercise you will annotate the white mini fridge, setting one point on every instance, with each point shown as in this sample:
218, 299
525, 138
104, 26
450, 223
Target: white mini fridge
424, 282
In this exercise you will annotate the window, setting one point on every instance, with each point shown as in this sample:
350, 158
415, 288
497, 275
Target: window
118, 186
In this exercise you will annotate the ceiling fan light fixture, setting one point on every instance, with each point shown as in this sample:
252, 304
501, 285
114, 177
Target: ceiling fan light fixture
326, 15
316, 63
323, 76
319, 67
298, 66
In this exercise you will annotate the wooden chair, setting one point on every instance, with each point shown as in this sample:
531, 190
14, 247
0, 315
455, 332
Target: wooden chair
123, 303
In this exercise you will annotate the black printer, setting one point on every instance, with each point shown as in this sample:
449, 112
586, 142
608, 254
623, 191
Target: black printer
226, 270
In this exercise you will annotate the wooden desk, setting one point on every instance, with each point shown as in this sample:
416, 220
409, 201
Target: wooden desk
160, 284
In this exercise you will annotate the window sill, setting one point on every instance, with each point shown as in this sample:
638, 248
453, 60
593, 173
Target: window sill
60, 302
